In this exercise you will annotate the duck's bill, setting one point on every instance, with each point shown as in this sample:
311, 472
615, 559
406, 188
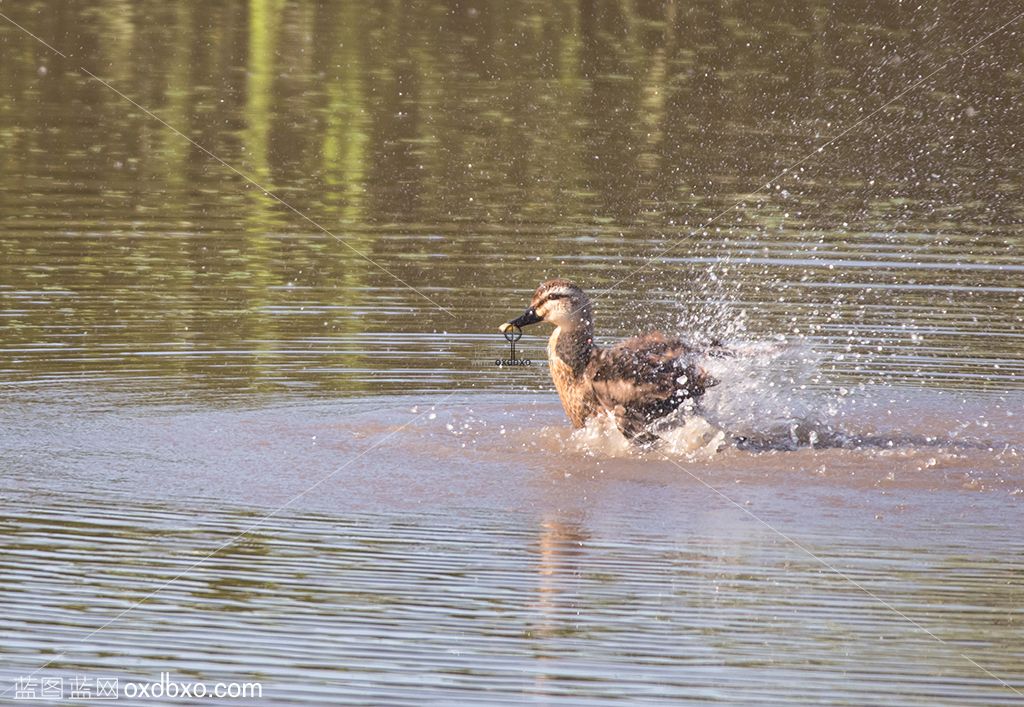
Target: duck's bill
529, 317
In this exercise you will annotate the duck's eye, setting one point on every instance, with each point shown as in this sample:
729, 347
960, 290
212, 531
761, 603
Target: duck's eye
551, 297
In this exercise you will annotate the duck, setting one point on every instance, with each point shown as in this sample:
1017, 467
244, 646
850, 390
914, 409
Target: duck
638, 381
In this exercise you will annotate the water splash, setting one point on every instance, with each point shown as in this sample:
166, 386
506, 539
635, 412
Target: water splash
690, 437
769, 397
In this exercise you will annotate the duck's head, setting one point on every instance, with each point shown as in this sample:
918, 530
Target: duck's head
559, 302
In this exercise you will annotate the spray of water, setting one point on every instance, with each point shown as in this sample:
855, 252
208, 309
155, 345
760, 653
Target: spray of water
772, 394
768, 398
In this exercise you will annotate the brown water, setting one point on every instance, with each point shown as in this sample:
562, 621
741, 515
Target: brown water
182, 353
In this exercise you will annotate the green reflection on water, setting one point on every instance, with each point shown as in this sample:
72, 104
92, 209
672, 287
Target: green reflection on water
473, 150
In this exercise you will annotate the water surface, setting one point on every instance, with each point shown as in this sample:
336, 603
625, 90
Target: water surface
183, 353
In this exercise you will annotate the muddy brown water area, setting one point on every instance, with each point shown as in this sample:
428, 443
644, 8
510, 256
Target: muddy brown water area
234, 450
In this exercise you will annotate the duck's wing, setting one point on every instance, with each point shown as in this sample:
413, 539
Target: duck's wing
644, 378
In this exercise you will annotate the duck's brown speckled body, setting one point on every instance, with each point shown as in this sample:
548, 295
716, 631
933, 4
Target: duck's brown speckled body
638, 380
568, 371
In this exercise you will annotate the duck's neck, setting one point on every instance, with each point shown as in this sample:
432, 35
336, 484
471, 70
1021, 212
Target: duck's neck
572, 346
569, 350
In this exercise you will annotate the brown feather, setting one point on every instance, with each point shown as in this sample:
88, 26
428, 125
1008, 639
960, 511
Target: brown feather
644, 378
638, 380
574, 390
